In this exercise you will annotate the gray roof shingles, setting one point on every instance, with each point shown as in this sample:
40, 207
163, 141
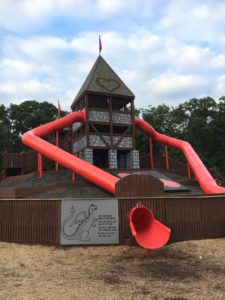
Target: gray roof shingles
102, 79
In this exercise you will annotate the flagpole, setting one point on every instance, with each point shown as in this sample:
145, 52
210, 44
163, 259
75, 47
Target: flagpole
99, 44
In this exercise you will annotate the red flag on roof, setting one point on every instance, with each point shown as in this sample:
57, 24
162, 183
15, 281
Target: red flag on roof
100, 44
59, 108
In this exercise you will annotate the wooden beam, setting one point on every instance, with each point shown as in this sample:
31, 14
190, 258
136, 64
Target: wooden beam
99, 134
133, 122
87, 120
122, 136
110, 121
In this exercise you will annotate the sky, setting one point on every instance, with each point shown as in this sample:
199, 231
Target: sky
165, 51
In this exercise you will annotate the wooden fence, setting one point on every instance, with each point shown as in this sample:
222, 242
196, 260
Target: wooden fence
193, 217
175, 166
26, 161
38, 221
30, 221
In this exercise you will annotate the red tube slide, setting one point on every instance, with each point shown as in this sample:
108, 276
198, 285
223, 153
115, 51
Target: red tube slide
34, 139
148, 232
203, 176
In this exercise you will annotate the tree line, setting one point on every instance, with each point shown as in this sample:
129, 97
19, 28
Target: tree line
198, 121
201, 122
19, 118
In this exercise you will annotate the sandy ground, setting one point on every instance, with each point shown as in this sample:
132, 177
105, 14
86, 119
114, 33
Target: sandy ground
187, 270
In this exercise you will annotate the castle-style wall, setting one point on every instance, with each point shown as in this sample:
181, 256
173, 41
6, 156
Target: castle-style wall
103, 116
96, 141
80, 144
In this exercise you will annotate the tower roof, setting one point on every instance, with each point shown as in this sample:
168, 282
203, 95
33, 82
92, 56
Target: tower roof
102, 79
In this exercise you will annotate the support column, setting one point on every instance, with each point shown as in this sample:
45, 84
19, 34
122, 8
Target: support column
132, 159
167, 158
151, 154
188, 171
57, 145
88, 155
112, 156
40, 165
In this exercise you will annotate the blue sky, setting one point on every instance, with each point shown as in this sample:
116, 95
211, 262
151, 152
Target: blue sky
165, 51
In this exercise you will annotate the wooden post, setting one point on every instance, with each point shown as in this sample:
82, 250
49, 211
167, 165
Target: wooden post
73, 176
151, 154
167, 157
22, 162
86, 101
189, 171
110, 122
40, 165
4, 163
57, 145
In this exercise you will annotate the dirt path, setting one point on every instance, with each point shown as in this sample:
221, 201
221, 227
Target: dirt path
188, 270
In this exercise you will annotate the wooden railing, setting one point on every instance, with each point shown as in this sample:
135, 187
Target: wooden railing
27, 160
175, 166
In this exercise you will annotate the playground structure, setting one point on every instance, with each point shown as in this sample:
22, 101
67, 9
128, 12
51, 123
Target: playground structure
103, 126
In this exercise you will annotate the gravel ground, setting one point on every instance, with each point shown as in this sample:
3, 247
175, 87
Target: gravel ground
52, 178
49, 178
82, 192
189, 270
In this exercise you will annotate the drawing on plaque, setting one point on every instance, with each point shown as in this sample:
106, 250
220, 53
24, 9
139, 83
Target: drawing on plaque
77, 226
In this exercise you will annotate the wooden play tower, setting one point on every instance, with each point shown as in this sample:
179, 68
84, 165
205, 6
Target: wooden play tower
107, 138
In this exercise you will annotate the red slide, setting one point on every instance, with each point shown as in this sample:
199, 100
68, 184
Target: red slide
149, 233
203, 176
34, 139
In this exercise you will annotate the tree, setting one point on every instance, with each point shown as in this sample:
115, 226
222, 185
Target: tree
5, 132
199, 121
28, 115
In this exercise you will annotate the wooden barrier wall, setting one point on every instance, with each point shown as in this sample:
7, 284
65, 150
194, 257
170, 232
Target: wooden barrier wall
189, 218
30, 221
38, 221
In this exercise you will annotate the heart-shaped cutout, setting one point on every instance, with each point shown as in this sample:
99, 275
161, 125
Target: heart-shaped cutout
108, 84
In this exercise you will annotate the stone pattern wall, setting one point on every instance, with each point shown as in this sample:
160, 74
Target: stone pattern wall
79, 144
103, 116
88, 155
100, 116
76, 126
96, 141
81, 154
112, 156
120, 118
132, 160
126, 142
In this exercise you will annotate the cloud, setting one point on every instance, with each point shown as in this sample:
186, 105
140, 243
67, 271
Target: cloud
173, 86
219, 88
194, 20
163, 51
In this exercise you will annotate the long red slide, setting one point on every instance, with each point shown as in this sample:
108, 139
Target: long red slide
34, 139
203, 176
148, 232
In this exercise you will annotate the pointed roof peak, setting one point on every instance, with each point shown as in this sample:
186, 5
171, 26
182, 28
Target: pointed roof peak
102, 79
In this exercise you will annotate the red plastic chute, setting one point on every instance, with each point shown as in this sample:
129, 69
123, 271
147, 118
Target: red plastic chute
148, 232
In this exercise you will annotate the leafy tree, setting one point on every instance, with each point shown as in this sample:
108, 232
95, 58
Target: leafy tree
5, 132
199, 121
28, 115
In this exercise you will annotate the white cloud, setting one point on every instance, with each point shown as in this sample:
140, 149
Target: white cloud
168, 85
30, 89
194, 20
163, 53
219, 88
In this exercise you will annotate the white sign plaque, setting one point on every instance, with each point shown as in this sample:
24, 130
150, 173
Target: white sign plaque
87, 221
